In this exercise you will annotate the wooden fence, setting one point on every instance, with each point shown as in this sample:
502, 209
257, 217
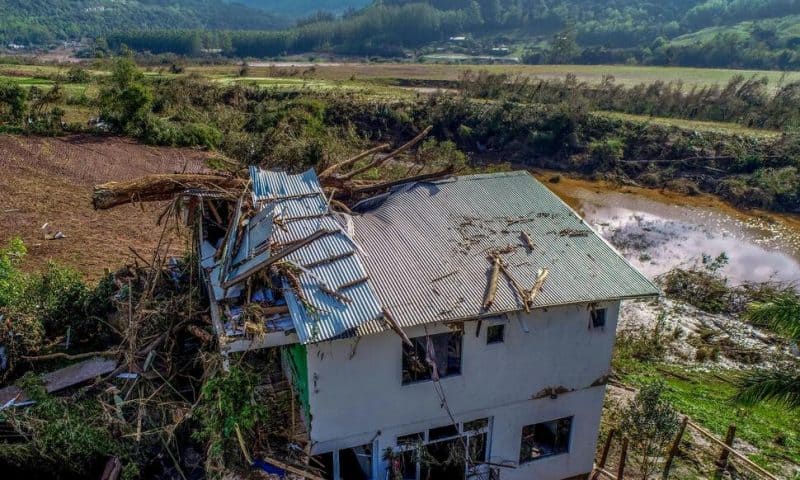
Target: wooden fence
722, 461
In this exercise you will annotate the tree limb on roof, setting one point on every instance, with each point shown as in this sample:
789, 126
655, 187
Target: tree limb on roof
154, 188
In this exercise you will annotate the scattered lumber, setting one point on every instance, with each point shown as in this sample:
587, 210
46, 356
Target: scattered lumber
537, 286
154, 188
491, 289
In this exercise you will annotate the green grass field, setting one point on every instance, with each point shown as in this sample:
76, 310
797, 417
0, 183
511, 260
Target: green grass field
705, 396
380, 79
625, 74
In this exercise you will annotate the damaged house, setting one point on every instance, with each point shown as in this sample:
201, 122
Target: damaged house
455, 328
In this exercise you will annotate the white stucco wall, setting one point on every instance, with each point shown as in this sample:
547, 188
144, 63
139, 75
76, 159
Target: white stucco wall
361, 399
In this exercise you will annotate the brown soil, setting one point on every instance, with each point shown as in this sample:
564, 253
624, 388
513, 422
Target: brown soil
50, 180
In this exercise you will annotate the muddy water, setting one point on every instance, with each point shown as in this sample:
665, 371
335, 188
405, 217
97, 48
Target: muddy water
657, 231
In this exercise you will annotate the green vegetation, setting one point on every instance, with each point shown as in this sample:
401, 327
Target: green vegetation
650, 423
781, 384
706, 397
45, 22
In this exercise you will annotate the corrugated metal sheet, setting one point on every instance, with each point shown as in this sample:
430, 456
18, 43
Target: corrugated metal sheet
426, 245
297, 208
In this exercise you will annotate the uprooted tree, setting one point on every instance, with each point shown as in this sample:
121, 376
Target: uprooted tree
339, 179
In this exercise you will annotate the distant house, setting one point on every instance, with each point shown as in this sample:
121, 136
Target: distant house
471, 319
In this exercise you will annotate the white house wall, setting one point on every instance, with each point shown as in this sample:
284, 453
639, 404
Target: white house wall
357, 395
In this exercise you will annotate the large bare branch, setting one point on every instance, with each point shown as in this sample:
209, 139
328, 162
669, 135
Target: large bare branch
381, 160
154, 188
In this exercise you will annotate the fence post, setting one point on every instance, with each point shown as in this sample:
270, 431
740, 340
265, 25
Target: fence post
623, 456
722, 462
604, 454
673, 450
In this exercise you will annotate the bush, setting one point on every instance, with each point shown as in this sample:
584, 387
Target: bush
606, 153
700, 285
650, 422
63, 438
11, 277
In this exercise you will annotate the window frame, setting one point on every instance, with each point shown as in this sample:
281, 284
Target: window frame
567, 448
420, 347
502, 327
484, 430
599, 317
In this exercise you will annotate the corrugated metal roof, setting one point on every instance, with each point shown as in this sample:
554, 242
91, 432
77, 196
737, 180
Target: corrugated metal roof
293, 207
426, 247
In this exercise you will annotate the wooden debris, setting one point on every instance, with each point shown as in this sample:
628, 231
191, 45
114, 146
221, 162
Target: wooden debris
491, 290
396, 327
380, 161
328, 172
537, 286
154, 188
528, 241
112, 470
279, 255
520, 291
200, 334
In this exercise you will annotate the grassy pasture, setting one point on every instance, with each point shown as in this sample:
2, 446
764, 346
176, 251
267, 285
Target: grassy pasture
392, 72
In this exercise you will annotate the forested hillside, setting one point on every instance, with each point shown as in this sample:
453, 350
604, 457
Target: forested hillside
41, 22
722, 33
302, 8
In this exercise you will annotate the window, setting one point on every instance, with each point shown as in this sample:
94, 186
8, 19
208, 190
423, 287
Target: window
598, 317
448, 431
442, 351
495, 334
356, 463
441, 455
478, 424
410, 439
545, 439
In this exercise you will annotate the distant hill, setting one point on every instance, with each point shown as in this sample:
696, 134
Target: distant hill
40, 22
302, 8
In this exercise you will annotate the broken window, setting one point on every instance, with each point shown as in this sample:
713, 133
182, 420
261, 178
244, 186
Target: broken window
598, 317
411, 439
545, 439
356, 463
495, 334
475, 425
448, 431
442, 351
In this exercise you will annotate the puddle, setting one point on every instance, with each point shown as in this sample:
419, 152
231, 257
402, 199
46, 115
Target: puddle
657, 232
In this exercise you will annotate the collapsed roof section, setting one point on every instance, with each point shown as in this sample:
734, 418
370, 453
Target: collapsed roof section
286, 253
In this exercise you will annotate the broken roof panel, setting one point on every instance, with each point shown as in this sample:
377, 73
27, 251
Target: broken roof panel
270, 185
426, 247
336, 297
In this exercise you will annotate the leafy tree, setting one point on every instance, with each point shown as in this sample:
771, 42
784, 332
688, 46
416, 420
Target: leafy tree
649, 422
780, 384
564, 46
12, 103
125, 101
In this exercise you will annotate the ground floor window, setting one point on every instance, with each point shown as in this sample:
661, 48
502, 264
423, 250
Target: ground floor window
449, 452
351, 463
545, 439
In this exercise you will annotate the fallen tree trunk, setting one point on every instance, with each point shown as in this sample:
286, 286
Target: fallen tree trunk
155, 188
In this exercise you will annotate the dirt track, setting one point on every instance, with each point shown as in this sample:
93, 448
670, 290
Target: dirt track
49, 180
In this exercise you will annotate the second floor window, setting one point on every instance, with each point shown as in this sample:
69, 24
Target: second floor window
432, 357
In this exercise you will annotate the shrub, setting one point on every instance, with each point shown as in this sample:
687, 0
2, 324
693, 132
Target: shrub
11, 277
608, 152
650, 422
